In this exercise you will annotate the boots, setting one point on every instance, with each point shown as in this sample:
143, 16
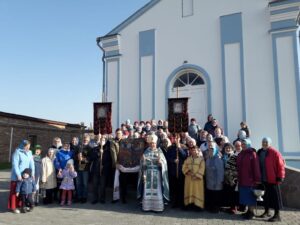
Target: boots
276, 217
266, 214
23, 210
249, 215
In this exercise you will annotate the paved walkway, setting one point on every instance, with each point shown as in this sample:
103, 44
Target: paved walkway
88, 214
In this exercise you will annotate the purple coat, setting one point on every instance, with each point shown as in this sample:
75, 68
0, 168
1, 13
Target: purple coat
67, 182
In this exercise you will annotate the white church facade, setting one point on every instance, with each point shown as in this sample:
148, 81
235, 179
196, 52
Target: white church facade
235, 59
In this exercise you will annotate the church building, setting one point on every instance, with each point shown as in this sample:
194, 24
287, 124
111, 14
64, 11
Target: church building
235, 59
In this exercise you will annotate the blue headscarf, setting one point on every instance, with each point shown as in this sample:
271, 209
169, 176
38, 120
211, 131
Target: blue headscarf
215, 150
247, 142
23, 144
267, 139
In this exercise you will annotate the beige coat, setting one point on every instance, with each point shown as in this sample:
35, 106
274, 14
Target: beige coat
48, 174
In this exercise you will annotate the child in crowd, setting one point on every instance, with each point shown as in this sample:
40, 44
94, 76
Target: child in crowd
38, 172
25, 189
245, 128
67, 184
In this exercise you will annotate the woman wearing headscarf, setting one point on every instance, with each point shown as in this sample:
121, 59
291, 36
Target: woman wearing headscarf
49, 176
272, 167
214, 173
230, 194
153, 183
204, 146
248, 177
240, 136
21, 159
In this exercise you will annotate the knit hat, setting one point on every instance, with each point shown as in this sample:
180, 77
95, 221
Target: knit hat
37, 147
27, 170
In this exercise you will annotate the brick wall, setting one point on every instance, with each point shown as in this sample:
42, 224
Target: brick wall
22, 129
291, 188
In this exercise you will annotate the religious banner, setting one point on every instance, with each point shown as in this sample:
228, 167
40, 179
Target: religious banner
178, 116
102, 118
130, 152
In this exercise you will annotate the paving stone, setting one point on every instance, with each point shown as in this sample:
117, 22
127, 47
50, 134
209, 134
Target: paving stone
121, 214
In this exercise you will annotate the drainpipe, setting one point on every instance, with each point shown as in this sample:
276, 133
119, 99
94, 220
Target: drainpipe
103, 61
10, 143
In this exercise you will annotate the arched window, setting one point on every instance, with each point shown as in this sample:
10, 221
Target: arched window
188, 78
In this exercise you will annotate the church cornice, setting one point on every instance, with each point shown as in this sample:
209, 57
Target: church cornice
133, 17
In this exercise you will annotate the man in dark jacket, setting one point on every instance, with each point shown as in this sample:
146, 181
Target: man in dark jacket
176, 155
101, 169
74, 146
82, 166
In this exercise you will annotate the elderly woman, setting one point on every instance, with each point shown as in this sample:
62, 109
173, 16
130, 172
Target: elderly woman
21, 159
230, 197
56, 144
272, 169
49, 176
153, 178
204, 146
248, 176
214, 168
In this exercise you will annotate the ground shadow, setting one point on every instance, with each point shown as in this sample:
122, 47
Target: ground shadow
133, 206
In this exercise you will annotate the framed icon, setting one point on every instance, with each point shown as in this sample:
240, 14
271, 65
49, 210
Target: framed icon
178, 107
102, 112
102, 118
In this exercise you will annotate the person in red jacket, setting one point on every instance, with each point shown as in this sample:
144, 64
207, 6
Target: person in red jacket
248, 177
272, 168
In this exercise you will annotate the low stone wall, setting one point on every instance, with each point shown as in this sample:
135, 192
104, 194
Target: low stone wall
291, 188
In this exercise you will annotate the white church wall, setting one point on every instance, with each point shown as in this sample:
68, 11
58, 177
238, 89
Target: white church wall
147, 81
196, 39
112, 80
234, 92
288, 94
174, 46
259, 74
129, 107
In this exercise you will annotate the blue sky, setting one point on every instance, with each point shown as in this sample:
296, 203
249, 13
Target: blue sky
50, 65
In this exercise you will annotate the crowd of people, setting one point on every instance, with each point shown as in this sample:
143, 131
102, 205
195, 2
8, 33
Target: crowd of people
195, 170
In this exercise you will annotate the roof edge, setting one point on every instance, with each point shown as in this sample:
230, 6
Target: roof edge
132, 18
17, 116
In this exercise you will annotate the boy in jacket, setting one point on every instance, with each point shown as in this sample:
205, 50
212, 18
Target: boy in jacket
25, 189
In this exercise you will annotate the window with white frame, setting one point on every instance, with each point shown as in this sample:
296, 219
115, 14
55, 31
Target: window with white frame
189, 78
